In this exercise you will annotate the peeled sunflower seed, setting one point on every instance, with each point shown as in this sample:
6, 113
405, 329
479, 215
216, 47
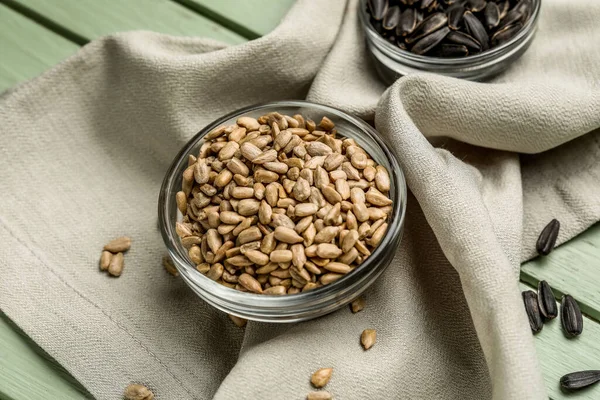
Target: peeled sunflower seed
547, 239
570, 317
533, 312
320, 395
546, 301
579, 380
367, 338
138, 392
117, 245
321, 377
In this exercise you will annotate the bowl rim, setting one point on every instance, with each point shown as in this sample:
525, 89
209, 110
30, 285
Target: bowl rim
386, 46
179, 253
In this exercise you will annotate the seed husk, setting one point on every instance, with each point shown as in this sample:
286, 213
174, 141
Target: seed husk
571, 318
321, 377
367, 338
546, 301
118, 245
579, 380
547, 239
136, 391
532, 309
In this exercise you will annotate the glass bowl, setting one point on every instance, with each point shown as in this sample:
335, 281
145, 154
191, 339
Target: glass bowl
391, 62
304, 305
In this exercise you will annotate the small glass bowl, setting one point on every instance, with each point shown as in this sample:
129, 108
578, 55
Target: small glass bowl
391, 62
305, 305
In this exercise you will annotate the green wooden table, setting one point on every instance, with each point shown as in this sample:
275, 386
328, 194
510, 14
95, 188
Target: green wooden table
37, 34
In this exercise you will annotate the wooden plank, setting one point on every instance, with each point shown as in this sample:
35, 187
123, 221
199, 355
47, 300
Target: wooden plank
27, 49
572, 268
91, 19
251, 19
560, 355
26, 373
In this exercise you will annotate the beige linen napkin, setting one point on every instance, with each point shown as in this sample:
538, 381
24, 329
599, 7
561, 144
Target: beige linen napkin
85, 147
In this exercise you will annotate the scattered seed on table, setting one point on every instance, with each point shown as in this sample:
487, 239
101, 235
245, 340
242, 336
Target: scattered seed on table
570, 317
530, 299
118, 245
320, 395
547, 239
367, 338
579, 380
169, 266
358, 304
138, 392
281, 201
241, 322
321, 377
115, 268
546, 301
105, 260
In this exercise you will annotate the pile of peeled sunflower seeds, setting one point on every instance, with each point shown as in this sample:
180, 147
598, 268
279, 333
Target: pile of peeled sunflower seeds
541, 306
448, 28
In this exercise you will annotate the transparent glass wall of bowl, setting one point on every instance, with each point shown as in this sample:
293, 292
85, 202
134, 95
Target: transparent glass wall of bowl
391, 62
301, 306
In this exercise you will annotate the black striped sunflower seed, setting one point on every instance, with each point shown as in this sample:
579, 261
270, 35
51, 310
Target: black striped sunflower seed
570, 316
546, 301
455, 16
391, 18
533, 311
464, 39
579, 380
377, 8
547, 238
492, 15
451, 50
476, 5
506, 33
429, 25
476, 29
408, 22
430, 41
